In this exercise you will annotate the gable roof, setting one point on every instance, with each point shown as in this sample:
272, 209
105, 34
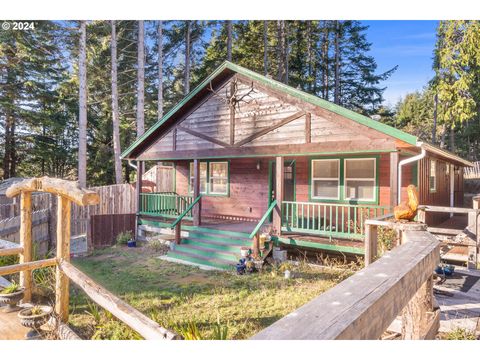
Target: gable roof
226, 70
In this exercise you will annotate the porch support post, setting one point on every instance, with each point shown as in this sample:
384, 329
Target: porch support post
197, 209
393, 179
277, 212
138, 191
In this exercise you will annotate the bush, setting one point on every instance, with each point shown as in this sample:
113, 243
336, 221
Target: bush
123, 237
460, 334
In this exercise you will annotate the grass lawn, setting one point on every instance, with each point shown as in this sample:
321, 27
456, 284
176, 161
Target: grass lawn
192, 302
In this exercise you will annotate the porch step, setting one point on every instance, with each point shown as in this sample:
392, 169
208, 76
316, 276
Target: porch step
201, 260
211, 247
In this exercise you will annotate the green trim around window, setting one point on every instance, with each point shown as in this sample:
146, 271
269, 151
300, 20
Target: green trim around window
207, 192
342, 199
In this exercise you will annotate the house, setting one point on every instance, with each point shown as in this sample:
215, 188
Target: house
253, 154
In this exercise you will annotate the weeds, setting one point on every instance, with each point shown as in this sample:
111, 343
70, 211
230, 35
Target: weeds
460, 334
10, 289
124, 237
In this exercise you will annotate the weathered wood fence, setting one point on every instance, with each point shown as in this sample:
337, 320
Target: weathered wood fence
364, 305
68, 192
472, 172
105, 228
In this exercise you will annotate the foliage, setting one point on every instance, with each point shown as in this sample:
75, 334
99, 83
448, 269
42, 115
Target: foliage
10, 289
157, 245
386, 240
124, 237
205, 304
8, 260
460, 334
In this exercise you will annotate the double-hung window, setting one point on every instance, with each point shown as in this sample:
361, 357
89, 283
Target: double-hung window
203, 177
360, 183
218, 172
326, 179
433, 176
213, 177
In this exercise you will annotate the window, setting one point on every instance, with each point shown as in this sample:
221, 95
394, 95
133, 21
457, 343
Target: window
213, 178
360, 179
433, 175
218, 178
326, 179
203, 177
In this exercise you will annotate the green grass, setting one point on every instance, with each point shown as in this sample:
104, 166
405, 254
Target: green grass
193, 302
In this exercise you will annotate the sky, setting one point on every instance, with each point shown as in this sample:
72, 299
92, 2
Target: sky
408, 44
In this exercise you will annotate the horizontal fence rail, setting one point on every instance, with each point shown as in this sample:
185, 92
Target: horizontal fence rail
169, 205
326, 219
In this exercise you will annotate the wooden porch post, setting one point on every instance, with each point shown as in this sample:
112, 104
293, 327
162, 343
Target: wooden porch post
26, 242
371, 239
63, 253
277, 213
197, 209
138, 191
474, 223
393, 179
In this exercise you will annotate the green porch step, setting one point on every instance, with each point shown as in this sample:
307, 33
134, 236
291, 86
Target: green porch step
219, 239
209, 253
213, 245
225, 233
201, 260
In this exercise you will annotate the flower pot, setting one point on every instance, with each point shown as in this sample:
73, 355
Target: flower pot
11, 300
34, 322
244, 252
132, 243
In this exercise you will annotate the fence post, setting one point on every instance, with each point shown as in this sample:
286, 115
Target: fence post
371, 238
26, 242
63, 253
474, 223
178, 232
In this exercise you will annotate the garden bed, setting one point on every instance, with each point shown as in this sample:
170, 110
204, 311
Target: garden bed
196, 304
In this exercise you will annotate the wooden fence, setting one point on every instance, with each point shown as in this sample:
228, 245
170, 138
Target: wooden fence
105, 228
10, 208
472, 172
10, 230
114, 199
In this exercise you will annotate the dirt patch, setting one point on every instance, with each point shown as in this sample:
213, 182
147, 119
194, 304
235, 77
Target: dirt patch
191, 279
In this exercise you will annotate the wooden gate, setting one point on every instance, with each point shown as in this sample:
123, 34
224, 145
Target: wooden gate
165, 178
105, 228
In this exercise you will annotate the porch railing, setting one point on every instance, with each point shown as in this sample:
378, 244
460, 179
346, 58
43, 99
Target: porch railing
168, 205
326, 219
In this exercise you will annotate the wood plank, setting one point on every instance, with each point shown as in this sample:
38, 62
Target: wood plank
11, 251
202, 136
365, 304
63, 252
29, 266
308, 128
197, 209
279, 180
26, 241
394, 157
146, 327
270, 128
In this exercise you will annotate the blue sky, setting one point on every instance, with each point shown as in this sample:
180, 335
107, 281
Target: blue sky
408, 44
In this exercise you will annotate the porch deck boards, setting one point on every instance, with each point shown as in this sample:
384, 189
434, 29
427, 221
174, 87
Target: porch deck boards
326, 241
10, 327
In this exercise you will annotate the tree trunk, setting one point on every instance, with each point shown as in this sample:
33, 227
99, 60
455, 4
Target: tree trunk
265, 47
281, 50
325, 62
115, 114
444, 134
435, 112
160, 71
186, 83
82, 113
141, 79
229, 39
286, 50
336, 93
309, 55
452, 138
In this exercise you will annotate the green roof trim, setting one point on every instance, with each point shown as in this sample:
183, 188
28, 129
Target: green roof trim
299, 94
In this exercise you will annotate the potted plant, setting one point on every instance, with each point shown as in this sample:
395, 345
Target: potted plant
33, 318
11, 295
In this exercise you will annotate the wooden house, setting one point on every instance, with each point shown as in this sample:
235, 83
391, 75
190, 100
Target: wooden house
250, 154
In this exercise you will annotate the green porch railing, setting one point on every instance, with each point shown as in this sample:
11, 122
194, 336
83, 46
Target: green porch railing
345, 221
168, 205
263, 219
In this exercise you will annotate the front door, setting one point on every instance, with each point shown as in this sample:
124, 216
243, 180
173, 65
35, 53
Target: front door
288, 182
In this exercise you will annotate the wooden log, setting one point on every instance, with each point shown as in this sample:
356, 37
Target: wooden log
29, 266
417, 315
178, 232
11, 251
26, 242
62, 295
69, 189
279, 177
365, 304
146, 327
256, 246
371, 238
197, 209
447, 209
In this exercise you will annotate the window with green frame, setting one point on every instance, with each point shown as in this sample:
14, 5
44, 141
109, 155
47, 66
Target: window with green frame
214, 178
344, 180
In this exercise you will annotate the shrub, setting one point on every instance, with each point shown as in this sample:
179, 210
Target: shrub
460, 334
123, 237
10, 289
